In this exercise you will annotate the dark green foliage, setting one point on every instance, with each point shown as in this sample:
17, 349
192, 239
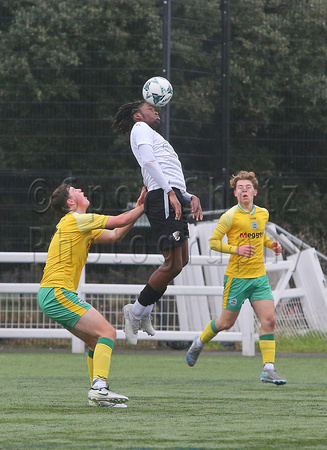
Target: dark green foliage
279, 90
66, 67
63, 65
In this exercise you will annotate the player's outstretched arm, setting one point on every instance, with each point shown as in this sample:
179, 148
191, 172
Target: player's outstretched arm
119, 233
127, 217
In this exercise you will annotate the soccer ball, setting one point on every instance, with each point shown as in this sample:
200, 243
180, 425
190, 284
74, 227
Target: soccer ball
157, 91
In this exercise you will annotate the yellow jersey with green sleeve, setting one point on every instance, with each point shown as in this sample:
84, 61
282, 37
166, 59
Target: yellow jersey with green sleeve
243, 227
69, 249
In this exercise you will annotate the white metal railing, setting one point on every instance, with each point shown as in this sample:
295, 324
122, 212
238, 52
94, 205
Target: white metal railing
298, 285
246, 336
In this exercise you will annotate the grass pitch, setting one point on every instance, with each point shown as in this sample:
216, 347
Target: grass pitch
217, 404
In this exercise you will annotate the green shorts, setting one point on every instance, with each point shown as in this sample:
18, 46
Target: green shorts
65, 307
237, 290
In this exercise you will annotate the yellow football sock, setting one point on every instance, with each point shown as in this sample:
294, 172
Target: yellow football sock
268, 348
209, 332
90, 363
102, 358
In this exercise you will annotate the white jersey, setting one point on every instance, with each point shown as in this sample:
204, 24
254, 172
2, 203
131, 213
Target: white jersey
162, 152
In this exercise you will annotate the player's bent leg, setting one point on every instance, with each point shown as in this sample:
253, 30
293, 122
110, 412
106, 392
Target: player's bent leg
194, 351
175, 259
91, 326
265, 311
225, 321
99, 335
171, 267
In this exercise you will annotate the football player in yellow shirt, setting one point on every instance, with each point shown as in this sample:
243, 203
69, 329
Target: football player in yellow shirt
57, 295
245, 277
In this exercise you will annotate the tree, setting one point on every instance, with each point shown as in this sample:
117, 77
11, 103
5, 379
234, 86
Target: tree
279, 89
65, 64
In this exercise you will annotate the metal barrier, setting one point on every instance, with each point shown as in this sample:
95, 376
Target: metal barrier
41, 330
194, 299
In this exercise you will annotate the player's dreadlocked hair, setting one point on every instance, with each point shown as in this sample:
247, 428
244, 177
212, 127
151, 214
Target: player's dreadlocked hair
123, 120
244, 175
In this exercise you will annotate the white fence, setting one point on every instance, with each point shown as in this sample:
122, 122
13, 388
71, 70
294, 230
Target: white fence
193, 300
111, 289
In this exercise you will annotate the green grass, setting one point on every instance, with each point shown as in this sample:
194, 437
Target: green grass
309, 343
313, 342
218, 404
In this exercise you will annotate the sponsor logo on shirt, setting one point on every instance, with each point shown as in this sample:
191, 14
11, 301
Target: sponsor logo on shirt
251, 235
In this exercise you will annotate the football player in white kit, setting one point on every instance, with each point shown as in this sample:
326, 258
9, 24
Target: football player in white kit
164, 206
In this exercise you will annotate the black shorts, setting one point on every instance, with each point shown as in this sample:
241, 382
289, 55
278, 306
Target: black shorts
168, 232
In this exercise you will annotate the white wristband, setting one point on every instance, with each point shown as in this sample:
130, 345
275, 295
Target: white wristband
187, 197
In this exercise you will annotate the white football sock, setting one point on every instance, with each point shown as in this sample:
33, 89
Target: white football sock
269, 366
148, 310
138, 310
199, 343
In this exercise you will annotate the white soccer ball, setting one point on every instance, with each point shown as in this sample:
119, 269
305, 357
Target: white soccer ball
157, 91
